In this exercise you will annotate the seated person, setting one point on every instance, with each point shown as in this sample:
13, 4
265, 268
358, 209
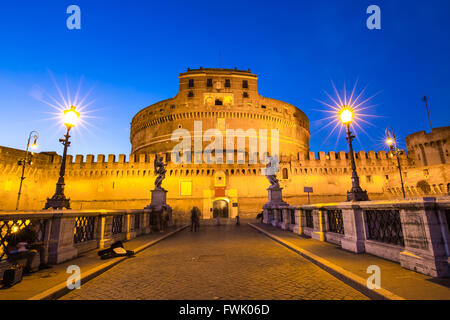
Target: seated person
260, 216
25, 244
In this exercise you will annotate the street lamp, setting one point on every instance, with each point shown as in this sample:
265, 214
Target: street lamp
391, 141
356, 193
59, 200
27, 160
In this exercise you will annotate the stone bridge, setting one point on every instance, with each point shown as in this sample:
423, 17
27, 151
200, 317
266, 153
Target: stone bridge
320, 251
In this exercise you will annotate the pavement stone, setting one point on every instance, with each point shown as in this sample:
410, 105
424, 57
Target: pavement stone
400, 281
218, 262
43, 280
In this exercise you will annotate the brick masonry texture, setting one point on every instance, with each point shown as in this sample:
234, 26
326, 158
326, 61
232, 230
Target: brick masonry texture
218, 262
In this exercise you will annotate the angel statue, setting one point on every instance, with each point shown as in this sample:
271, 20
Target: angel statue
271, 171
160, 170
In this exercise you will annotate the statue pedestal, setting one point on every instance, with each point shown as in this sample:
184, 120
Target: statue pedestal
273, 209
158, 200
275, 198
161, 212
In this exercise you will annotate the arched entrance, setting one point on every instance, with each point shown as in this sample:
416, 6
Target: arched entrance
220, 208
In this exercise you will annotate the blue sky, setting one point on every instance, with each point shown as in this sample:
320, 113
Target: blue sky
131, 52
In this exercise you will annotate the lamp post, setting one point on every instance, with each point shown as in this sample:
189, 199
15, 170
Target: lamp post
391, 141
27, 160
59, 200
356, 193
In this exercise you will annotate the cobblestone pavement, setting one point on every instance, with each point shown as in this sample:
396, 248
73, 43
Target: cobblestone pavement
218, 262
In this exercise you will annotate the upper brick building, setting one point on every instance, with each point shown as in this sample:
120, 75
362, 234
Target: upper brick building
221, 99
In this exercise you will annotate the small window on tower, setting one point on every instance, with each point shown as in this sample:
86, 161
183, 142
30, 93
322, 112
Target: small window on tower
227, 83
245, 95
263, 107
209, 83
218, 102
245, 84
191, 94
191, 83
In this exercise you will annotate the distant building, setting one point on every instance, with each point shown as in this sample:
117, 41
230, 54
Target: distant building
224, 99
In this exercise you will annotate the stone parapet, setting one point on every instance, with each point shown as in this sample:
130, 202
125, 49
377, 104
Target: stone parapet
69, 233
413, 232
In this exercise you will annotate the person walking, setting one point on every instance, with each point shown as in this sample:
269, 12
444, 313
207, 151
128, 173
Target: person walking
193, 219
216, 214
197, 219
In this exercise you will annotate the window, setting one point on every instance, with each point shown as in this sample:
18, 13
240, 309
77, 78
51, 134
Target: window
191, 94
209, 83
172, 106
245, 84
191, 83
227, 83
285, 173
263, 107
387, 177
218, 102
161, 110
245, 95
369, 178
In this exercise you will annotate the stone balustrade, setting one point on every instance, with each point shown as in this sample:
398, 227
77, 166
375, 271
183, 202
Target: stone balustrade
70, 233
413, 232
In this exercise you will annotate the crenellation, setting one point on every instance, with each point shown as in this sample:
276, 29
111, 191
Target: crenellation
142, 157
382, 155
322, 156
100, 158
79, 159
122, 158
111, 158
89, 159
311, 156
332, 155
362, 155
342, 155
371, 155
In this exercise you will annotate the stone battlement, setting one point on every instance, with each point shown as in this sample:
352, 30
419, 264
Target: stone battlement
313, 159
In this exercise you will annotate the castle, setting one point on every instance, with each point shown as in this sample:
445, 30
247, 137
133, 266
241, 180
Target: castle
224, 99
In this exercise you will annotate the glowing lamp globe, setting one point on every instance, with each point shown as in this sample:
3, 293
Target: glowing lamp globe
71, 117
34, 145
389, 141
346, 115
